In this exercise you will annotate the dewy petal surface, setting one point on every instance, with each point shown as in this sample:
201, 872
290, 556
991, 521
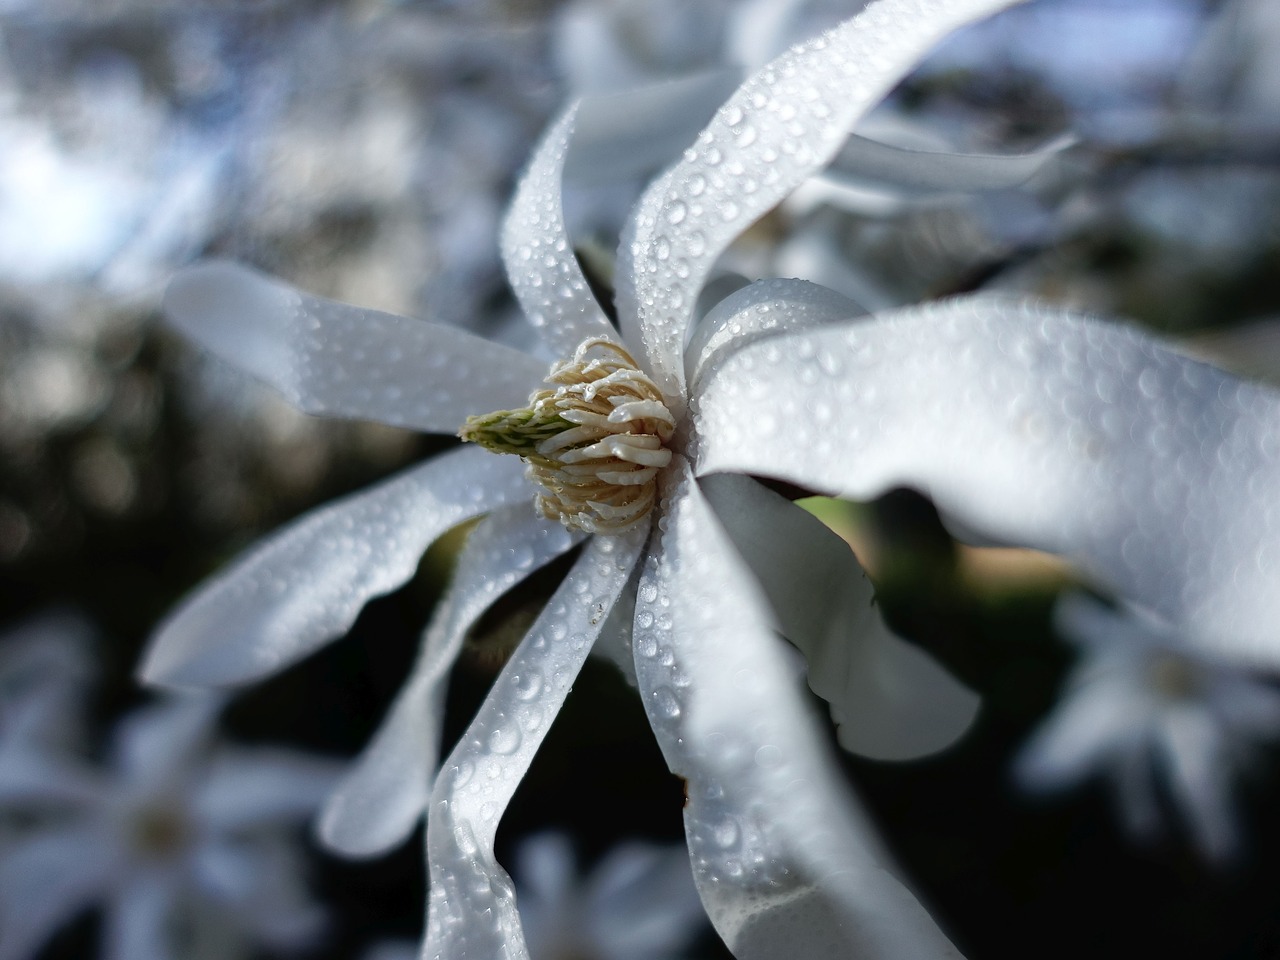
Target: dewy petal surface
758, 310
305, 585
781, 126
471, 911
541, 265
891, 701
1033, 427
381, 799
785, 861
338, 360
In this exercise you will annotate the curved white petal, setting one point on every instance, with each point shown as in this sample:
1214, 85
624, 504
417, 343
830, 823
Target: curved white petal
471, 908
891, 700
261, 785
614, 642
626, 134
862, 159
785, 862
338, 360
758, 310
780, 127
45, 880
382, 797
1159, 475
305, 584
541, 266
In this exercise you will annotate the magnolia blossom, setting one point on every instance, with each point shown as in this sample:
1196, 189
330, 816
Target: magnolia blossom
1155, 719
1027, 425
173, 834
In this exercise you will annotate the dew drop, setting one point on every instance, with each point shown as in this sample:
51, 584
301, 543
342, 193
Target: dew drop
666, 702
726, 833
676, 212
528, 685
506, 740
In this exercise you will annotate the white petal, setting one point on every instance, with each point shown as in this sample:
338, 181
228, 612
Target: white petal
1089, 727
259, 885
781, 126
642, 901
45, 880
381, 799
1160, 476
29, 776
862, 159
251, 786
763, 308
305, 584
1198, 760
538, 254
892, 701
334, 359
624, 135
164, 740
784, 860
614, 643
471, 909
137, 919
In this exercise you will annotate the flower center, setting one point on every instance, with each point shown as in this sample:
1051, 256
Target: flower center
594, 439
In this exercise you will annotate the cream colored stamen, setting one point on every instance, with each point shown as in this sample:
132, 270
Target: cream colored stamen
594, 438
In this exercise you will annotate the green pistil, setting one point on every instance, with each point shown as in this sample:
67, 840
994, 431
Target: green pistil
514, 431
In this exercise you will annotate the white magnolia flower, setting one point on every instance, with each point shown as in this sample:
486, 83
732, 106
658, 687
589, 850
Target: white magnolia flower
188, 848
1155, 719
1026, 425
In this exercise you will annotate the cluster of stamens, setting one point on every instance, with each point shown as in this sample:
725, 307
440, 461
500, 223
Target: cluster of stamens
594, 439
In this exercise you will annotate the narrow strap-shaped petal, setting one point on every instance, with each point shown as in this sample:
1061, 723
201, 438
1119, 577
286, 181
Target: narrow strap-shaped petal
758, 310
634, 132
263, 785
305, 584
783, 857
163, 739
382, 797
781, 126
862, 159
471, 908
337, 360
1159, 475
892, 701
541, 266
